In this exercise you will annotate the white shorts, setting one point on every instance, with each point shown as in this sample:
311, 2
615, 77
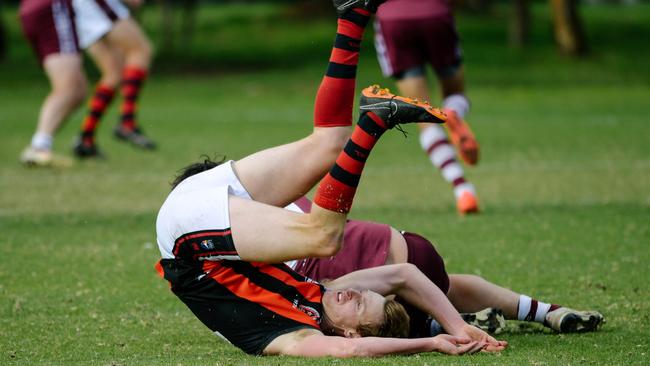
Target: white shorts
95, 18
199, 205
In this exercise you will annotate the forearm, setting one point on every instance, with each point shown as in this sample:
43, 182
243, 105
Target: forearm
317, 346
419, 291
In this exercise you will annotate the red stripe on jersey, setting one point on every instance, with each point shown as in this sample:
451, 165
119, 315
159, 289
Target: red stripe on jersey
242, 287
185, 238
307, 290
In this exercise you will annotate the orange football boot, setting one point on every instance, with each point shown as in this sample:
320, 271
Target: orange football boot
467, 203
462, 137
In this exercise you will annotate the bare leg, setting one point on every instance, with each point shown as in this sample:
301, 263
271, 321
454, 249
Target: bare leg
110, 62
280, 175
273, 235
415, 87
454, 84
68, 91
129, 38
470, 293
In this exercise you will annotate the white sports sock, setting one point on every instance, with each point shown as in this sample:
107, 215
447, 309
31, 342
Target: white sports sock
458, 103
434, 142
42, 141
532, 310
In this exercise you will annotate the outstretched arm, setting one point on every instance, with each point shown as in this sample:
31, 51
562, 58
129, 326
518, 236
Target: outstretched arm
408, 282
313, 343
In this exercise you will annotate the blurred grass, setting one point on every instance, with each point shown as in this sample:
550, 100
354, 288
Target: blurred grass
563, 182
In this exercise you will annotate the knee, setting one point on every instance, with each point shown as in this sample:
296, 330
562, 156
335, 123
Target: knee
72, 91
327, 241
330, 141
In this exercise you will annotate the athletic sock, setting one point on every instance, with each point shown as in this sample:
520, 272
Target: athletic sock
442, 155
336, 190
96, 107
132, 80
42, 141
458, 103
335, 96
532, 310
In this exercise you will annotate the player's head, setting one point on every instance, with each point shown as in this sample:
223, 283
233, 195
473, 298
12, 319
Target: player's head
195, 168
353, 313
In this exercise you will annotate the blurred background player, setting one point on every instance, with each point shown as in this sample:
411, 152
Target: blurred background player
49, 27
409, 34
123, 53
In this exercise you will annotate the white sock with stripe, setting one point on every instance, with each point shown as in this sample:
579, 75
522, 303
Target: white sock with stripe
442, 155
458, 103
532, 310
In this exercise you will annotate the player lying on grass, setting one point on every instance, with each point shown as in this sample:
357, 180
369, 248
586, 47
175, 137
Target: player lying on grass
368, 244
219, 232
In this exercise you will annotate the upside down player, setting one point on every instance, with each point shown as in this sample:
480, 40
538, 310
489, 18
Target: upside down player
468, 293
219, 228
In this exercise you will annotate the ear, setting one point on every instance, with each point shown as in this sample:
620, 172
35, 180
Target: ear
351, 333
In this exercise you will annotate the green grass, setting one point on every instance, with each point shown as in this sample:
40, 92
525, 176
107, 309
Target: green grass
563, 181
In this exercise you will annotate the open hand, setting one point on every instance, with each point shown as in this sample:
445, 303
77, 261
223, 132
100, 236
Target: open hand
490, 344
451, 345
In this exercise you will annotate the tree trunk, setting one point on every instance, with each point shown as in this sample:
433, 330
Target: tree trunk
166, 24
189, 19
520, 23
567, 27
3, 38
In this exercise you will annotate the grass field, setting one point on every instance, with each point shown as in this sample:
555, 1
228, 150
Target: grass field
564, 185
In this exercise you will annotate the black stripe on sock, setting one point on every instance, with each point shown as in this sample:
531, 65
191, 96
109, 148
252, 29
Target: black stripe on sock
356, 152
341, 71
87, 134
96, 114
356, 18
104, 97
344, 176
371, 127
347, 43
127, 117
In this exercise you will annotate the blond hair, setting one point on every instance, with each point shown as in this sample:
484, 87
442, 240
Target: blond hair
395, 324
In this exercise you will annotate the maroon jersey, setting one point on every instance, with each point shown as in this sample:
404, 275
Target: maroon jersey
413, 9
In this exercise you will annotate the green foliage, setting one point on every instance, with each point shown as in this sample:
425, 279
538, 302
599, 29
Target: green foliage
563, 182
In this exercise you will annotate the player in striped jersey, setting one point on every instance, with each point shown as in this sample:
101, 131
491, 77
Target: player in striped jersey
220, 231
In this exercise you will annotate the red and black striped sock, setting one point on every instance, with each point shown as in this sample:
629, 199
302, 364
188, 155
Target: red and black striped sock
132, 80
336, 190
96, 107
335, 97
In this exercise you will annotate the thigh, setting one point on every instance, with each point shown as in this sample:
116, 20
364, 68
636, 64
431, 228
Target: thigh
108, 60
269, 234
128, 35
280, 175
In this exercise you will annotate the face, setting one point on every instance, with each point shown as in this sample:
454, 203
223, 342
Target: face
347, 309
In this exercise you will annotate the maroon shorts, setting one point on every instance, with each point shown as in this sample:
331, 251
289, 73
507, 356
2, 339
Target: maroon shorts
49, 27
408, 43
